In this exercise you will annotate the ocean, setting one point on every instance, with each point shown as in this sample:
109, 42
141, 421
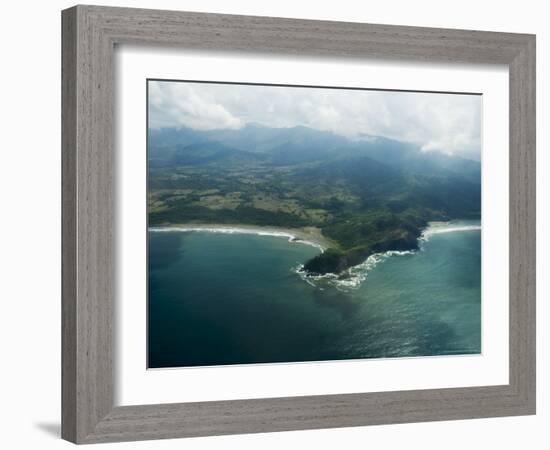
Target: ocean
234, 298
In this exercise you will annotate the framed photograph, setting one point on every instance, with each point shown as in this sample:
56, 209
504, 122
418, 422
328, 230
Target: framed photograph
277, 224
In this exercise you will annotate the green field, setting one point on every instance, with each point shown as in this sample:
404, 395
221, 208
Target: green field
366, 196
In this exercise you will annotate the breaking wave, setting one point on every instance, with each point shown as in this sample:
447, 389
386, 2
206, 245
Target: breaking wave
446, 227
352, 278
236, 230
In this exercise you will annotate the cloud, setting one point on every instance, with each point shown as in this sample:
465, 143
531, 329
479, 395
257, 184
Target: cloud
178, 104
446, 122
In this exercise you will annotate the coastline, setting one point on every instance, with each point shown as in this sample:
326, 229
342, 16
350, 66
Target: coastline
437, 227
306, 235
337, 262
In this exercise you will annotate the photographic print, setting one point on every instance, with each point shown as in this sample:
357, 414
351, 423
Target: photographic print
292, 223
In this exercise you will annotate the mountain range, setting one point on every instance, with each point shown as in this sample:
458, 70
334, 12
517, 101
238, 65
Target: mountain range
366, 195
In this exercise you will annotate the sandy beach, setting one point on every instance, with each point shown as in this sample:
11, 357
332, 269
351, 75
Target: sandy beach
310, 235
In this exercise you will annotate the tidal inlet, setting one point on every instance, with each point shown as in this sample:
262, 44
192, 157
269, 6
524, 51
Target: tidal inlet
295, 224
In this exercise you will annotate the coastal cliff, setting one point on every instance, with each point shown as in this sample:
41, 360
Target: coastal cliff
353, 198
337, 261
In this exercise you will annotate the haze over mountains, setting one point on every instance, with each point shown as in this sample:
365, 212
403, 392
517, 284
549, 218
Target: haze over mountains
169, 146
366, 194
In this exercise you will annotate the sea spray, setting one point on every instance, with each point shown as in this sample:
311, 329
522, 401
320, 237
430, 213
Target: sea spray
352, 278
446, 227
236, 230
214, 285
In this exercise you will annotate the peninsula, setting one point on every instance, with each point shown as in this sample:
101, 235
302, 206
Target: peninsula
352, 197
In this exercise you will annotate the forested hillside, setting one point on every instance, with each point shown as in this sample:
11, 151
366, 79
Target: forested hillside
368, 195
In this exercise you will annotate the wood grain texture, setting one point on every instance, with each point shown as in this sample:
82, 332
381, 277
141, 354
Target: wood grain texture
68, 224
87, 238
522, 267
89, 36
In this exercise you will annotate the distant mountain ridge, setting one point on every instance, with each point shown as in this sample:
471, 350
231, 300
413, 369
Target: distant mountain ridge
303, 144
367, 195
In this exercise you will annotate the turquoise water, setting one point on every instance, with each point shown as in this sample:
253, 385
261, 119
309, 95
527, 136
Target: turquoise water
217, 299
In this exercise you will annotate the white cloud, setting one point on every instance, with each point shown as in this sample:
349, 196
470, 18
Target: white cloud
178, 104
445, 122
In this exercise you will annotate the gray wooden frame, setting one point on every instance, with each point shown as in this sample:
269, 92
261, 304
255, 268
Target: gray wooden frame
89, 36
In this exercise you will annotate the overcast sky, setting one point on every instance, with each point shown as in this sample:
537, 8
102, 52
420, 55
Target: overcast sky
446, 122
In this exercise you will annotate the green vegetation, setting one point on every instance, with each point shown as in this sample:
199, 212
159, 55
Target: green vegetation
366, 196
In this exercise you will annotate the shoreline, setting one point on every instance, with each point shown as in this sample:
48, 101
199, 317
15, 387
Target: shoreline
339, 262
438, 227
306, 235
313, 236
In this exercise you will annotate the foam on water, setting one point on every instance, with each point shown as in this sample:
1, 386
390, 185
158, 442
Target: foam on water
446, 227
353, 277
236, 230
422, 304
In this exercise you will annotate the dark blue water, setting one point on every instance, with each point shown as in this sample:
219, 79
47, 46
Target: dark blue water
217, 299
